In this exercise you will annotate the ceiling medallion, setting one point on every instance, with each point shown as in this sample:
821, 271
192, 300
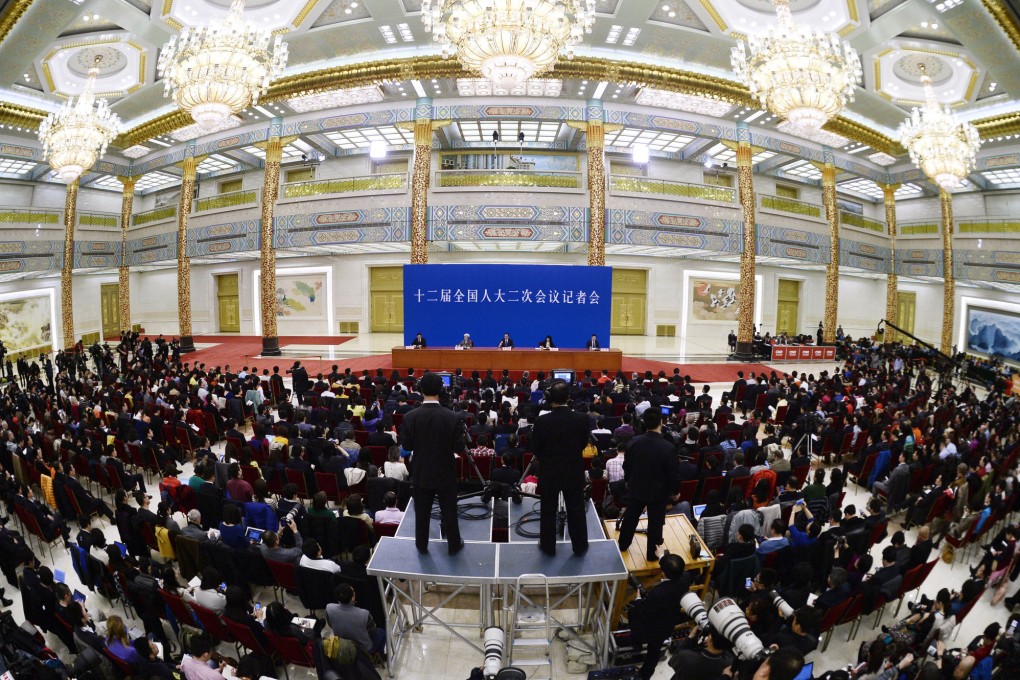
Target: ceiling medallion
508, 41
943, 148
799, 74
221, 68
76, 136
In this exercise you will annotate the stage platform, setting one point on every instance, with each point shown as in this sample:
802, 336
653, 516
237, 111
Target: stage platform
471, 530
491, 358
582, 587
517, 511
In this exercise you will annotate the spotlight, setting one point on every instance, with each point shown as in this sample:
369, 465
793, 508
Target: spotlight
377, 149
639, 153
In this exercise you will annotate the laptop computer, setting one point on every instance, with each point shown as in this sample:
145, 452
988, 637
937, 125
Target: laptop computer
698, 509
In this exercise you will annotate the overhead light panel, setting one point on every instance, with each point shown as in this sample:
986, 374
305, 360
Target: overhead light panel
335, 99
663, 99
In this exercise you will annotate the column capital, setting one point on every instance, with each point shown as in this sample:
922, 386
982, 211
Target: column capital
128, 182
889, 192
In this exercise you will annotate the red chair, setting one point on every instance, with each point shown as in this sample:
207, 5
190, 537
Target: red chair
75, 506
743, 483
831, 618
169, 435
177, 607
250, 474
297, 478
212, 624
124, 669
184, 442
962, 614
688, 489
853, 614
284, 573
245, 638
327, 483
291, 651
377, 453
869, 465
711, 484
385, 529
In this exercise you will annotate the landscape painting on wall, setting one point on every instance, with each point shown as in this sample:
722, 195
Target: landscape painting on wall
994, 333
301, 296
714, 300
25, 324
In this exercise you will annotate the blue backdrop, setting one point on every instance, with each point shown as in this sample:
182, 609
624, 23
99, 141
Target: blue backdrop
444, 301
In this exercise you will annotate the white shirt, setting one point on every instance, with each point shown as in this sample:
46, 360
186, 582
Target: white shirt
949, 450
320, 564
389, 516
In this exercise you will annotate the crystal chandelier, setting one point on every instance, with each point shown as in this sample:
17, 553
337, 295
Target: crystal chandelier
943, 148
76, 136
799, 74
508, 41
221, 68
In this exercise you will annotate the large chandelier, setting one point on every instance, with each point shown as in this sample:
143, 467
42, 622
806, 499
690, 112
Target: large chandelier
804, 76
221, 68
508, 41
76, 136
943, 148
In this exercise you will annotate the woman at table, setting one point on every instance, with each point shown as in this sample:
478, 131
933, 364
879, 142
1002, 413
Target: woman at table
547, 343
419, 342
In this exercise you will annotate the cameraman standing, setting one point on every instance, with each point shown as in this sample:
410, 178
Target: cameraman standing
655, 614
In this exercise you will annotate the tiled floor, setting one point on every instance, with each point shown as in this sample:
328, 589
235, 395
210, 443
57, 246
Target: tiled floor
436, 654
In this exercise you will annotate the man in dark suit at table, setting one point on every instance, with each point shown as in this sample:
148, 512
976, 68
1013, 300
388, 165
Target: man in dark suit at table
652, 475
558, 440
593, 343
434, 434
507, 342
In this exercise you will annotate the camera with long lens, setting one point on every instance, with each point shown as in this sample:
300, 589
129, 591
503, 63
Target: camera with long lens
784, 607
634, 583
728, 618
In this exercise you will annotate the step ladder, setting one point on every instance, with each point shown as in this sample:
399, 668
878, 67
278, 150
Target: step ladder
531, 634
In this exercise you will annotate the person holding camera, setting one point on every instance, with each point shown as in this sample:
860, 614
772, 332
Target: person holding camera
702, 656
656, 612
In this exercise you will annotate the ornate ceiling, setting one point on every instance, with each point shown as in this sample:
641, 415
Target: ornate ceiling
971, 51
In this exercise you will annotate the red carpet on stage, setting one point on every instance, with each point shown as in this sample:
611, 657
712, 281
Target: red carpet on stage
700, 373
240, 350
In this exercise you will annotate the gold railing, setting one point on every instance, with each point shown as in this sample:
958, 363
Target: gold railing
790, 205
644, 185
231, 199
29, 215
508, 178
918, 228
157, 215
91, 219
993, 225
380, 182
861, 222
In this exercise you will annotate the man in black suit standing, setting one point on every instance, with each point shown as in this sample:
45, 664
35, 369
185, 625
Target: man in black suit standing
593, 343
299, 378
652, 475
434, 434
558, 440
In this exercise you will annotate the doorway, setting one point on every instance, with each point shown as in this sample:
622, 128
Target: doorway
387, 299
229, 303
906, 305
788, 307
109, 298
630, 300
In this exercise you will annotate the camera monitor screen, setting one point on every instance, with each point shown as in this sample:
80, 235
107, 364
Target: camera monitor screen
698, 509
564, 374
254, 535
445, 377
667, 411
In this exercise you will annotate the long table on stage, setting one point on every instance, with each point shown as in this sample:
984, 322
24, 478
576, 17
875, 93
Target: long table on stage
481, 359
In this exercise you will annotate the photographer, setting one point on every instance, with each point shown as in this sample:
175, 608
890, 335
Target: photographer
702, 656
974, 661
655, 613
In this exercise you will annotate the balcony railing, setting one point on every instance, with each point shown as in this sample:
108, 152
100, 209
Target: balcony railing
98, 219
790, 205
231, 199
861, 222
918, 228
990, 225
508, 178
30, 216
380, 182
157, 215
644, 185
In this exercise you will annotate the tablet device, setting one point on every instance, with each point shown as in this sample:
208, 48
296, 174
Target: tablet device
254, 535
698, 509
121, 547
59, 576
806, 671
78, 597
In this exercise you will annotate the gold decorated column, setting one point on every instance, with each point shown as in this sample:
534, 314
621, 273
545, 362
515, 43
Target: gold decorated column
891, 281
66, 299
127, 200
949, 285
189, 166
746, 296
270, 192
832, 270
596, 142
421, 172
